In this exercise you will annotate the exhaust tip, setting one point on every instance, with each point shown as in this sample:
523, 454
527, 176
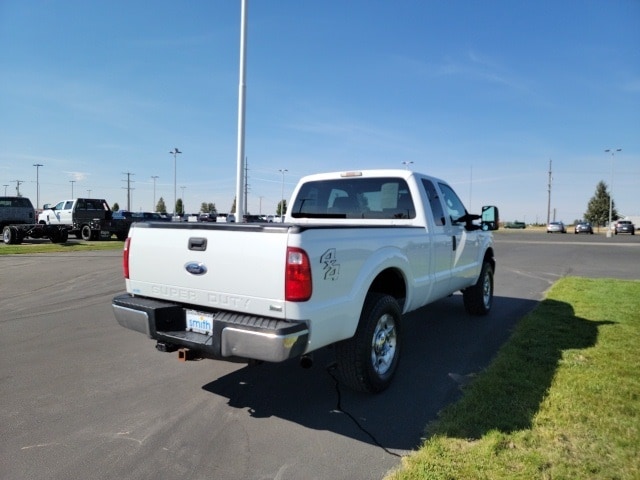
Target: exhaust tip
306, 361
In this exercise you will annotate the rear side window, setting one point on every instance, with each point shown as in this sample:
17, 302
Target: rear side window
368, 198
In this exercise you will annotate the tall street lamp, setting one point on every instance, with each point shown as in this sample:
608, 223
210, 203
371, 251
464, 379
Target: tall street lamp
72, 182
406, 164
613, 152
175, 153
282, 171
154, 178
38, 165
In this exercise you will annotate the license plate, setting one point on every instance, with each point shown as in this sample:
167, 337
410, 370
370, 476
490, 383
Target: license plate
199, 322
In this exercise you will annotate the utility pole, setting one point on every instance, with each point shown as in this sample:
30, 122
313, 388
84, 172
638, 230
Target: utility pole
18, 183
128, 174
246, 186
72, 182
549, 195
154, 178
38, 165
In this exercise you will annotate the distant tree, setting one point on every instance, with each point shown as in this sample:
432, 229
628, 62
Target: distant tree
115, 207
160, 206
208, 207
179, 207
281, 208
598, 208
233, 206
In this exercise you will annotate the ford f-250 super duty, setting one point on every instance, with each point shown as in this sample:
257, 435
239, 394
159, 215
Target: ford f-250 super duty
357, 250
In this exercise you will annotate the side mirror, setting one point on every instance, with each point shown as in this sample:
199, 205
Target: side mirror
46, 206
490, 218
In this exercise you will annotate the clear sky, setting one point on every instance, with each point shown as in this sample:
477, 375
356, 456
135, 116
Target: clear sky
480, 93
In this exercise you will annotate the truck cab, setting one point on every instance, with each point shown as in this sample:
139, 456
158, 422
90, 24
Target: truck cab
59, 214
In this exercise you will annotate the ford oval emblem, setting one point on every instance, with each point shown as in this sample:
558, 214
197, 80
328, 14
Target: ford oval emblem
196, 268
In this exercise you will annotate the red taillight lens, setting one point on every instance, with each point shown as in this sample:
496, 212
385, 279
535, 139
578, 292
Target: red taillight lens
297, 283
125, 258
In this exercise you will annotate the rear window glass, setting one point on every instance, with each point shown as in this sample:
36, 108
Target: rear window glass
15, 202
376, 198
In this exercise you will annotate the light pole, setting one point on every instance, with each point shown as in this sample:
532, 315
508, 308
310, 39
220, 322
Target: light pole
613, 152
282, 171
154, 178
72, 182
38, 165
406, 164
5, 189
175, 153
184, 210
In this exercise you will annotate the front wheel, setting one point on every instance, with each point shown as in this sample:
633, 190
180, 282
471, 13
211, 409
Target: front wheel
368, 361
479, 298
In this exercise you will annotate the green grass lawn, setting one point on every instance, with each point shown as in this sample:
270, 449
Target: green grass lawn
560, 401
45, 246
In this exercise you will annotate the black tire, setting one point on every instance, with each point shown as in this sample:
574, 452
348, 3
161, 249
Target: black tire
10, 235
86, 233
59, 235
368, 361
479, 298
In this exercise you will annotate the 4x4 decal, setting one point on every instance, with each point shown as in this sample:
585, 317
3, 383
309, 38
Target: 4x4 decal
331, 266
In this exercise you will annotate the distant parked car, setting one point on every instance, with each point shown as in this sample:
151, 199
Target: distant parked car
556, 227
584, 227
515, 224
625, 226
207, 217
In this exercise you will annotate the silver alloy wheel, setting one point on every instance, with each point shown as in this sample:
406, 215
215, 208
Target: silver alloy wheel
383, 344
486, 290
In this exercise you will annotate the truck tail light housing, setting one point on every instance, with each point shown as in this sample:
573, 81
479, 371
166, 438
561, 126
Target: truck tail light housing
125, 258
297, 283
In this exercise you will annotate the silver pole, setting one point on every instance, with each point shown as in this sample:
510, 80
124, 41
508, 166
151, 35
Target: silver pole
613, 152
240, 206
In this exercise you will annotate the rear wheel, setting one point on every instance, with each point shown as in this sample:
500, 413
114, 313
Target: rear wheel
368, 361
85, 232
479, 298
59, 235
10, 235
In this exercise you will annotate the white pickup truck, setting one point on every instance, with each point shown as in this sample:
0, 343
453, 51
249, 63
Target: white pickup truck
356, 251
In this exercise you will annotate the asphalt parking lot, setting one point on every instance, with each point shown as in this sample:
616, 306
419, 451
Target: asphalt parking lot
82, 397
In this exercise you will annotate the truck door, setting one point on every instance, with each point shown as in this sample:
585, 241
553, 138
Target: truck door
466, 244
65, 215
441, 243
55, 216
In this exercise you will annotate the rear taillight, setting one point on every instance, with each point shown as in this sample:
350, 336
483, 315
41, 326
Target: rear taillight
297, 283
125, 258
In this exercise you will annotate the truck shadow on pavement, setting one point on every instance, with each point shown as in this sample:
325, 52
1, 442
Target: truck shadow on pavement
443, 346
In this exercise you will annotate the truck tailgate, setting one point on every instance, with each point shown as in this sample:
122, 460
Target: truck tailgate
237, 267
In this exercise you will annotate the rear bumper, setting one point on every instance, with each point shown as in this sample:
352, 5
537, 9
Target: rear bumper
235, 336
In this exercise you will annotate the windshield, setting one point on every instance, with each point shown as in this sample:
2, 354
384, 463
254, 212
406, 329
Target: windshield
376, 198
